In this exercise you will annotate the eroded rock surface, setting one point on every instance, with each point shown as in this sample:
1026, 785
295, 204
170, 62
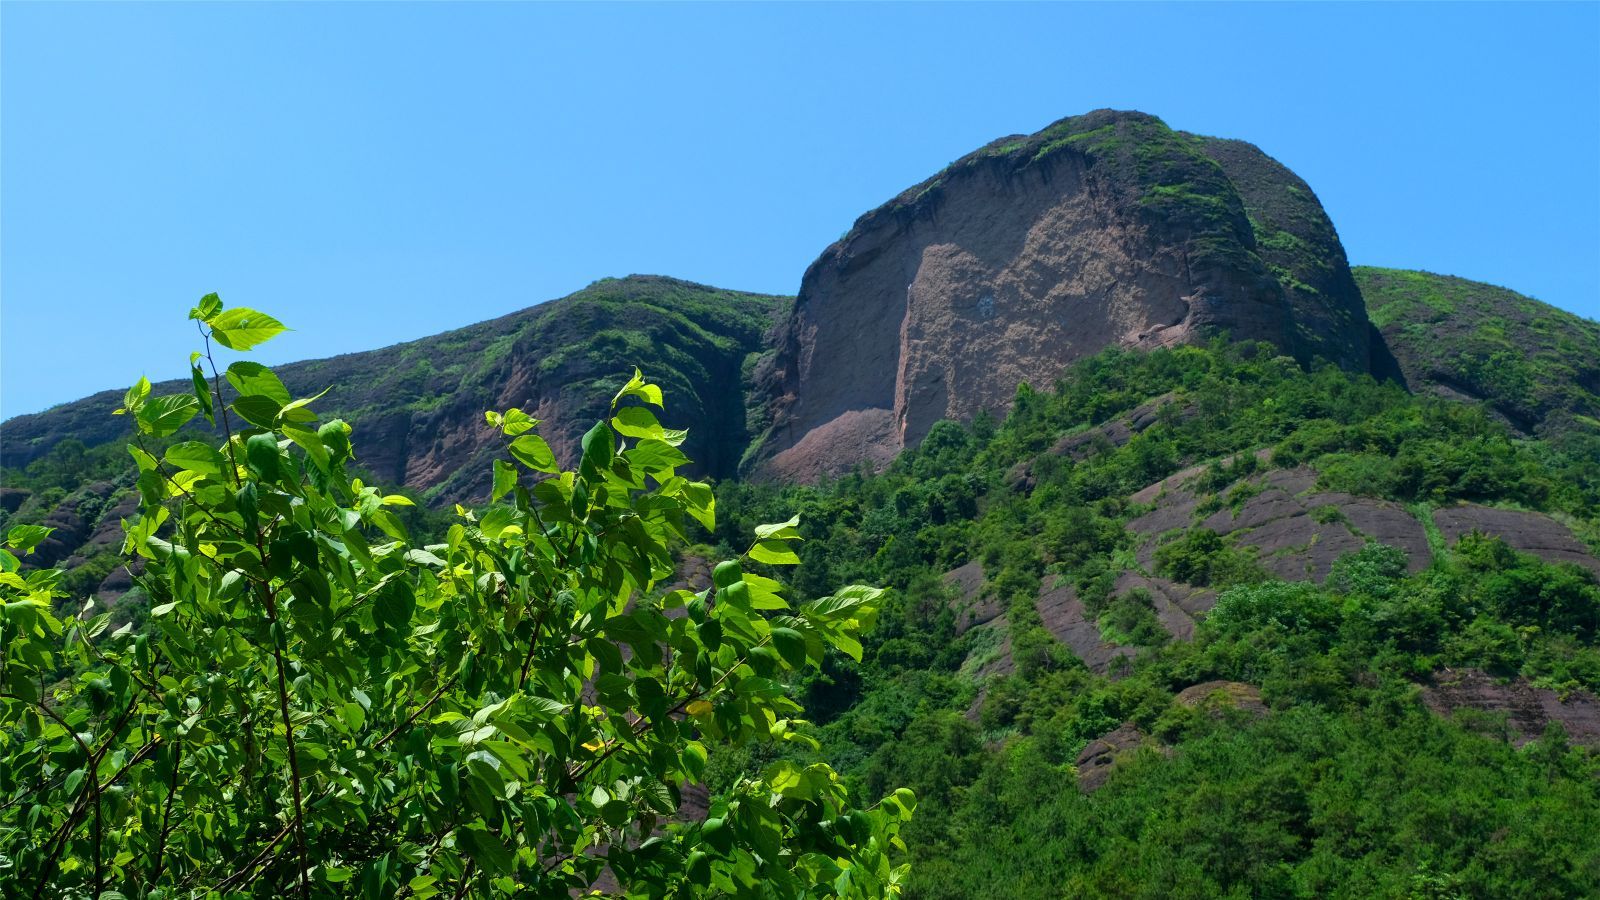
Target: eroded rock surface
1296, 531
1220, 696
972, 606
1529, 532
1099, 759
1107, 229
1528, 710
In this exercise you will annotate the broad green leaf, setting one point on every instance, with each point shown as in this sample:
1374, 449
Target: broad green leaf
196, 456
135, 397
165, 415
202, 393
598, 447
791, 645
241, 328
26, 537
310, 442
532, 451
638, 387
783, 530
296, 411
249, 378
485, 849
774, 553
258, 410
505, 478
208, 307
515, 422
637, 422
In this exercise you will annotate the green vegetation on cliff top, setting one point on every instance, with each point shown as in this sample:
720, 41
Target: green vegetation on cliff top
1534, 364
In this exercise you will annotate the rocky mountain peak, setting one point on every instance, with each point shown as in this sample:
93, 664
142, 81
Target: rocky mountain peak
1105, 229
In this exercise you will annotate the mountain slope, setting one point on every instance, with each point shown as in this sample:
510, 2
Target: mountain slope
1107, 229
418, 407
1534, 364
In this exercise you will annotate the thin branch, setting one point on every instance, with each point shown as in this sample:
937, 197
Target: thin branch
419, 710
166, 817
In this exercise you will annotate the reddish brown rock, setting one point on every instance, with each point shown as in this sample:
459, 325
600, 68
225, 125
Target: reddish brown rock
1065, 617
1219, 696
1527, 709
1295, 531
1529, 532
973, 607
1100, 758
1107, 229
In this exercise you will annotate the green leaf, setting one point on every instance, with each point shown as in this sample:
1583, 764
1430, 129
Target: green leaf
310, 442
208, 307
505, 478
135, 397
165, 415
782, 530
388, 523
196, 456
702, 504
485, 849
296, 411
532, 451
598, 448
143, 460
26, 537
637, 422
655, 457
241, 328
261, 455
791, 645
774, 553
202, 393
253, 378
638, 387
496, 520
515, 422
258, 410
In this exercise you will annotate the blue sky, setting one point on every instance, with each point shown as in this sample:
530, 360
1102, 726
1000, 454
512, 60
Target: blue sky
375, 173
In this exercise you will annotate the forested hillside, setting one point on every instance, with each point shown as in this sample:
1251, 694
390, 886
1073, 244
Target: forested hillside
1142, 548
1382, 695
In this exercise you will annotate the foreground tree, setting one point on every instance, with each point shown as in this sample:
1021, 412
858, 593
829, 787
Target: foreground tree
318, 706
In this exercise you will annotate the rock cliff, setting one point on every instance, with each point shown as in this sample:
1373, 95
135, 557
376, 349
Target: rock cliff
1034, 251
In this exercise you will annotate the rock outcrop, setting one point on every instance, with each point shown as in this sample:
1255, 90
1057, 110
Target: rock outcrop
1107, 229
1528, 710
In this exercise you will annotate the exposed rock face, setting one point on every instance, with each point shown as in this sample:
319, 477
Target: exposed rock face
1218, 696
1528, 710
417, 408
1296, 240
1295, 531
1097, 761
1107, 229
1529, 532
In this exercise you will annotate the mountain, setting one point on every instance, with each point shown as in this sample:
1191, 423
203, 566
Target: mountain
1533, 364
418, 406
1169, 615
1107, 229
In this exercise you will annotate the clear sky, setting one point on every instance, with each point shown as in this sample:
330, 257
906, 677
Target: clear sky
372, 173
